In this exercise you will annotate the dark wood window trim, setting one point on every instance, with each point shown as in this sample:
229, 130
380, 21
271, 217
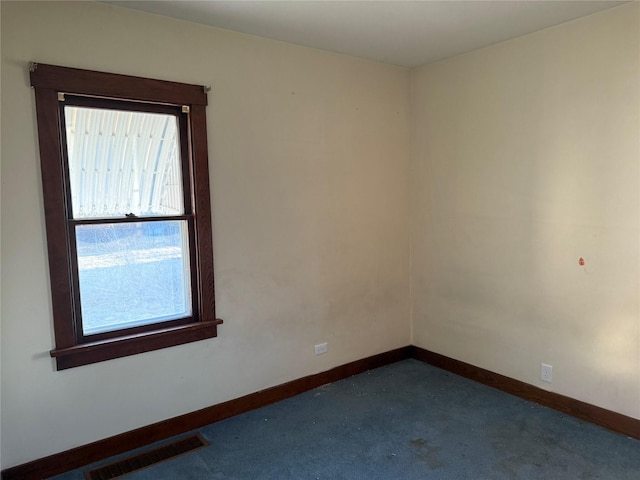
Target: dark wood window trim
71, 349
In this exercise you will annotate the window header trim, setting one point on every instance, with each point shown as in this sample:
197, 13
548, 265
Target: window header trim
73, 80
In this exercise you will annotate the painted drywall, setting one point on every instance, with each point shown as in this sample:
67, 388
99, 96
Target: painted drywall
525, 158
308, 160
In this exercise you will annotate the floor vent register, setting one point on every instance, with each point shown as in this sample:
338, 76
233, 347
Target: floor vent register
146, 459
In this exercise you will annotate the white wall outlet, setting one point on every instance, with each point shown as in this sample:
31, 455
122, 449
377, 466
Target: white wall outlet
321, 348
546, 373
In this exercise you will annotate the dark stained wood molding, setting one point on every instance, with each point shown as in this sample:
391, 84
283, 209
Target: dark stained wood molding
93, 452
55, 218
202, 207
114, 91
99, 351
96, 451
75, 80
600, 416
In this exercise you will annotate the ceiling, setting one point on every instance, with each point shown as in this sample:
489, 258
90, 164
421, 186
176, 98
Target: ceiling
405, 33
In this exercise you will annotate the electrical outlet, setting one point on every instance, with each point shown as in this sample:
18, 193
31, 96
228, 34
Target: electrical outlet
321, 348
546, 373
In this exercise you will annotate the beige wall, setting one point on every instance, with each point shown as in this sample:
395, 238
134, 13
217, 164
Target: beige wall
526, 158
308, 154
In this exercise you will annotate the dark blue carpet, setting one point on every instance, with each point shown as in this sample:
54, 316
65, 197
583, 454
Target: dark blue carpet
403, 421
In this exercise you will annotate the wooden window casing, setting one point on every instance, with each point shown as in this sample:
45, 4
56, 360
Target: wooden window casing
72, 348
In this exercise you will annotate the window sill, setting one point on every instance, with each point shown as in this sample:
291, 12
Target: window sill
99, 351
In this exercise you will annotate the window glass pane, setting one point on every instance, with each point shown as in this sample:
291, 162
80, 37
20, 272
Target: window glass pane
133, 274
123, 162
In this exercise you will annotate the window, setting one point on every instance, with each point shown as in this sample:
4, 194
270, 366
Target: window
127, 210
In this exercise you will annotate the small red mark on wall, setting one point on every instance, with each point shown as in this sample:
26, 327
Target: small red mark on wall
581, 261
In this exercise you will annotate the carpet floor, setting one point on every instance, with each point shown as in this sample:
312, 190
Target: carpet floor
403, 421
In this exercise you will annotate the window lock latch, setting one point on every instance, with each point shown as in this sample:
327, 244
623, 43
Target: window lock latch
130, 215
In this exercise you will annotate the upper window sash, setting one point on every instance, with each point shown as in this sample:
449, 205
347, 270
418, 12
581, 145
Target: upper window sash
125, 158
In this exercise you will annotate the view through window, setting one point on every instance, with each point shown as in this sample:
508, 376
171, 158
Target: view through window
126, 165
